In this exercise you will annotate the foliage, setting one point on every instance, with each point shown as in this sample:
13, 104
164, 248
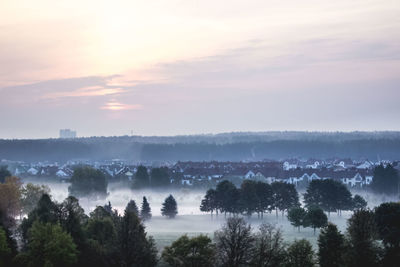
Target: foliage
5, 250
331, 247
362, 247
386, 180
209, 202
328, 194
297, 216
136, 249
249, 200
227, 197
132, 207
285, 196
87, 181
30, 195
359, 202
387, 219
4, 173
49, 245
10, 194
269, 249
145, 211
190, 252
300, 254
142, 178
169, 207
159, 177
234, 243
315, 217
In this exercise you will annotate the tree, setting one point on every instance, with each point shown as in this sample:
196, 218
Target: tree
387, 219
132, 207
159, 177
10, 195
234, 243
359, 202
4, 173
269, 249
209, 202
296, 217
385, 180
5, 250
362, 247
46, 211
315, 217
145, 211
331, 247
265, 197
285, 196
88, 181
227, 196
328, 194
136, 249
30, 195
142, 178
169, 207
49, 245
249, 200
190, 252
300, 254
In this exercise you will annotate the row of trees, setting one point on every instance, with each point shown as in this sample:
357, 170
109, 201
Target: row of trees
251, 197
258, 197
158, 177
372, 238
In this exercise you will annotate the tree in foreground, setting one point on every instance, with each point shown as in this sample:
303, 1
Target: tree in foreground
363, 249
234, 243
296, 217
331, 247
387, 219
300, 254
145, 211
10, 195
169, 207
88, 181
135, 247
49, 245
316, 218
190, 252
132, 207
269, 249
5, 250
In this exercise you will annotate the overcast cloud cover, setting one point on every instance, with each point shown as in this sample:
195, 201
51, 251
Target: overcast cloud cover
183, 67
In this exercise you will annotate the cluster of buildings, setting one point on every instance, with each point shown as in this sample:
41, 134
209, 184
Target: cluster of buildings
293, 171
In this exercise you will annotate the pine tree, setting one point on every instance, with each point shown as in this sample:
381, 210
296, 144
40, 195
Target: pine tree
145, 211
132, 207
331, 247
169, 207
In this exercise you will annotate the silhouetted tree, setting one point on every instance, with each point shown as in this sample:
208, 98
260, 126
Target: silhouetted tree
385, 180
297, 216
87, 181
227, 197
142, 178
132, 207
4, 172
249, 200
209, 202
315, 217
190, 252
269, 248
169, 207
265, 198
300, 254
285, 196
331, 247
387, 219
159, 177
145, 211
359, 202
235, 243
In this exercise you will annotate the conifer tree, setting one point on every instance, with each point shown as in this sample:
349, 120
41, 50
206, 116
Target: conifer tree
331, 247
145, 211
132, 207
169, 207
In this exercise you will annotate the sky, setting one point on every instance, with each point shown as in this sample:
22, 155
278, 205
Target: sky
107, 68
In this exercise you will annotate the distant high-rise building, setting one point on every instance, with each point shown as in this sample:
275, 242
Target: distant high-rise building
67, 133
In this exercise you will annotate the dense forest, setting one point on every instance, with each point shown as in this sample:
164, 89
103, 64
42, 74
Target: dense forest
224, 147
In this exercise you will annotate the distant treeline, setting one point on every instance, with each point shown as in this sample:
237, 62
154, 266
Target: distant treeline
227, 147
